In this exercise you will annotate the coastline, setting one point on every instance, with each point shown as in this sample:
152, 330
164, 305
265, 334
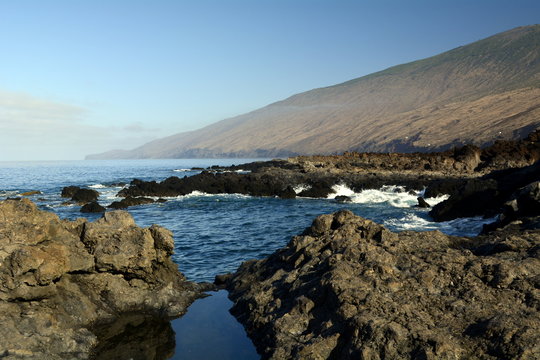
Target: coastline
466, 168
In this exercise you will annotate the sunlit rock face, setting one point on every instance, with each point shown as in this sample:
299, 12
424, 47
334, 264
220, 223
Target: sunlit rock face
348, 288
62, 280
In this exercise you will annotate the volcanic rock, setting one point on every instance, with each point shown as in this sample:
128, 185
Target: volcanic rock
288, 193
523, 209
69, 191
422, 203
486, 196
460, 170
343, 199
92, 207
84, 196
350, 289
528, 200
61, 281
130, 201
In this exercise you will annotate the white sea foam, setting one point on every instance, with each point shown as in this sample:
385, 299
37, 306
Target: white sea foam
110, 195
341, 190
8, 193
98, 186
411, 222
239, 171
465, 226
396, 196
196, 193
199, 194
301, 187
183, 170
461, 226
435, 200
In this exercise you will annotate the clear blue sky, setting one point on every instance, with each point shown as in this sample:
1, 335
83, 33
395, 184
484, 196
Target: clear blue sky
81, 77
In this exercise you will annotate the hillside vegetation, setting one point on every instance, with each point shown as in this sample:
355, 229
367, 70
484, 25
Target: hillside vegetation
477, 93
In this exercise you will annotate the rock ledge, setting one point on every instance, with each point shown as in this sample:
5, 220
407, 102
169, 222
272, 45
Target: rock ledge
61, 280
350, 289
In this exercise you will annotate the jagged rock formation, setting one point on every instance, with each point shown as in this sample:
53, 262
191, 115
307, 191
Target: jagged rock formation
60, 281
492, 194
350, 289
443, 172
92, 207
478, 93
467, 159
130, 201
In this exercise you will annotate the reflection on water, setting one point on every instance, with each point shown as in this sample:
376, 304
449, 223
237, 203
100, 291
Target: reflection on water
209, 331
135, 338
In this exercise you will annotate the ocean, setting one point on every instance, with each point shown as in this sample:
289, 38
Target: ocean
215, 233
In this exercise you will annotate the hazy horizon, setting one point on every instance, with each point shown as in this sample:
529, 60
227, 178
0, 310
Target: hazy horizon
81, 78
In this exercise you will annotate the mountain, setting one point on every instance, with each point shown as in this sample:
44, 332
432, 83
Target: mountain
477, 93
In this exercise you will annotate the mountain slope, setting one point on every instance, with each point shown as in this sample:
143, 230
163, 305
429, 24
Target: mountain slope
475, 93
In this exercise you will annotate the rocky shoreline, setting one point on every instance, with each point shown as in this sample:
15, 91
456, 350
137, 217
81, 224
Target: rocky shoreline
346, 287
62, 283
349, 288
315, 176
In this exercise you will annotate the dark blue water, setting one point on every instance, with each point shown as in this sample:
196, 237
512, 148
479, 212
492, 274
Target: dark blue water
213, 233
208, 332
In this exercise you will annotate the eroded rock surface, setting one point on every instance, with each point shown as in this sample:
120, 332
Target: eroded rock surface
350, 289
61, 280
444, 172
490, 195
84, 196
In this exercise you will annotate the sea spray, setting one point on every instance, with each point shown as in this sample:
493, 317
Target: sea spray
394, 195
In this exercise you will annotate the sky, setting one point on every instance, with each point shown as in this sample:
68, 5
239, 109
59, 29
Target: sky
84, 77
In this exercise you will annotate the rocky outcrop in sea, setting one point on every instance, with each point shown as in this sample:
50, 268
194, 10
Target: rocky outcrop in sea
316, 175
68, 287
510, 192
347, 288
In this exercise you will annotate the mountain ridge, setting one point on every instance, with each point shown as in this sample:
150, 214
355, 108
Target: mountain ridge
492, 84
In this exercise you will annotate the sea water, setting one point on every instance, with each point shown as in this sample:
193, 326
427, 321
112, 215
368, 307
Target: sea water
215, 233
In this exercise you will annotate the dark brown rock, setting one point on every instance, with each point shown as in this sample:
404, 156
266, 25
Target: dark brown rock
350, 289
445, 172
343, 199
222, 280
69, 191
488, 195
92, 207
523, 209
423, 203
288, 193
130, 201
62, 280
84, 196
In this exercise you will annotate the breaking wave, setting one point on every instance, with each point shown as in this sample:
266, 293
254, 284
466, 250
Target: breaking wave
301, 187
98, 186
459, 227
396, 196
